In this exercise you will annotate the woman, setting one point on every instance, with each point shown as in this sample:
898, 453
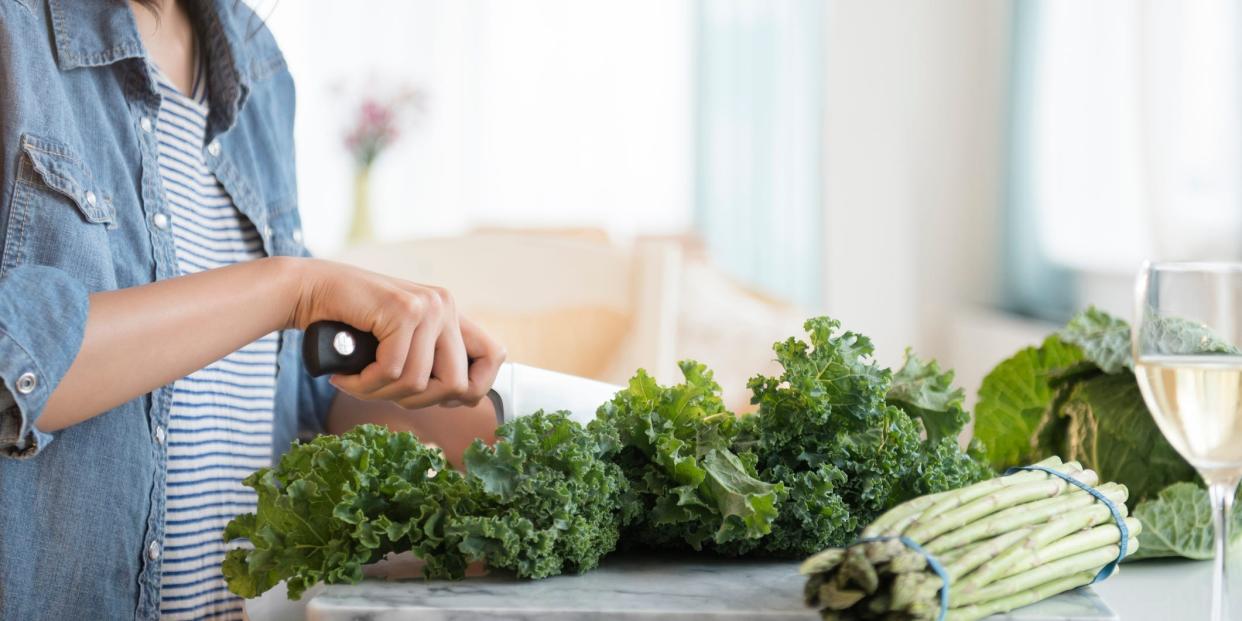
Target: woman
152, 282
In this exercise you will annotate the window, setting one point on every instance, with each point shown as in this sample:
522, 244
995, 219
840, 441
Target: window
1127, 136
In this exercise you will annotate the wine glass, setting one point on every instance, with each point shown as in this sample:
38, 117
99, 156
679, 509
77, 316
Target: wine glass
1187, 358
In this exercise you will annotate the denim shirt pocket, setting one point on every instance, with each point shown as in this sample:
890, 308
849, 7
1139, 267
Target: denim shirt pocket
59, 215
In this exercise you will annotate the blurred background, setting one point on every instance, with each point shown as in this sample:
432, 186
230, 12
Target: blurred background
610, 184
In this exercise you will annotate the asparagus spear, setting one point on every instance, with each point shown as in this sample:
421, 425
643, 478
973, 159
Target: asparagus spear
988, 504
1085, 561
1100, 535
1024, 598
935, 504
1022, 550
964, 495
1053, 531
1003, 543
1023, 515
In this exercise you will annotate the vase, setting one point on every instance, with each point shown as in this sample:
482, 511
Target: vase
360, 225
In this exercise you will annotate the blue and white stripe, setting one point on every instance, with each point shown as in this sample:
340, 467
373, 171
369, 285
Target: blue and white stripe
220, 424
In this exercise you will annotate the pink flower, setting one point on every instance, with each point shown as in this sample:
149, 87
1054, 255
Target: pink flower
376, 126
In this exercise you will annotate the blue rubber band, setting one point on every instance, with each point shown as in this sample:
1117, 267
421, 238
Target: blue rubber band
1108, 569
932, 562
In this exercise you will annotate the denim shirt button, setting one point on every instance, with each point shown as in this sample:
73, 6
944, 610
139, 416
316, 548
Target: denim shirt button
91, 198
26, 383
297, 235
213, 149
160, 220
153, 550
159, 434
145, 123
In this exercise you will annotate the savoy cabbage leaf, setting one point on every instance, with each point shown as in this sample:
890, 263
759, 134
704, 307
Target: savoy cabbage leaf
1178, 522
1076, 396
1103, 339
1014, 402
1108, 428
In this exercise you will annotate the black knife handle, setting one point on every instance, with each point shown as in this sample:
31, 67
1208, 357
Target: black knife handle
337, 348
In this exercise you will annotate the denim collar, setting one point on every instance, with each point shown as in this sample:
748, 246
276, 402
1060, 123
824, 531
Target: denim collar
103, 32
90, 34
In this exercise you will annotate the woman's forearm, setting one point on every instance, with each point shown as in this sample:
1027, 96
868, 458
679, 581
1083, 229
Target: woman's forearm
141, 338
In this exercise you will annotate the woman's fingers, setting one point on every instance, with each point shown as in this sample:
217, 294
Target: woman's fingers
451, 365
416, 377
427, 353
451, 383
438, 393
390, 360
396, 318
486, 356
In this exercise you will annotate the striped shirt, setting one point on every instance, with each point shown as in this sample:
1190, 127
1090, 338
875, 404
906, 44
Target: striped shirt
220, 424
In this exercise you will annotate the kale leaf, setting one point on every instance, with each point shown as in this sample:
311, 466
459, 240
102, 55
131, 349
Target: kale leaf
335, 504
846, 446
549, 498
543, 500
687, 486
927, 393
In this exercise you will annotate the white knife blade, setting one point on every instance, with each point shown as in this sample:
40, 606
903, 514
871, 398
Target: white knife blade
521, 390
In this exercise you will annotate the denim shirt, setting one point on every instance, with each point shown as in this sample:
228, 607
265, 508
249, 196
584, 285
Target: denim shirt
82, 509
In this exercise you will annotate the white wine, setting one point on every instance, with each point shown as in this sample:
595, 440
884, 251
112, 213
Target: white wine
1197, 403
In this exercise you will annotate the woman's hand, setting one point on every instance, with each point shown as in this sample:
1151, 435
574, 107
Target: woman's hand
428, 353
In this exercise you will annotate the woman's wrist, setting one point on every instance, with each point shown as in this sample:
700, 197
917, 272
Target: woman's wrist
290, 278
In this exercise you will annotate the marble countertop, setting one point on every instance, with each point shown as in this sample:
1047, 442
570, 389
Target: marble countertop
625, 587
1159, 589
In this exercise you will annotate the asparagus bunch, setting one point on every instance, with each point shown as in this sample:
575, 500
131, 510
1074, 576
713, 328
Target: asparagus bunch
1004, 543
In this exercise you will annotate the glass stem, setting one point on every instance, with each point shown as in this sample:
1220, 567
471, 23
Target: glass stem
1222, 504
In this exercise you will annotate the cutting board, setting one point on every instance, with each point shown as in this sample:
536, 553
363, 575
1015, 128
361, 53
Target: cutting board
624, 587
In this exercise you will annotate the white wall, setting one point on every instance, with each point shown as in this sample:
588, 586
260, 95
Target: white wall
913, 167
540, 112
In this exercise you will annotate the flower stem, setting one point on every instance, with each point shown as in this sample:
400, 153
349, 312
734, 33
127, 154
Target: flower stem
360, 224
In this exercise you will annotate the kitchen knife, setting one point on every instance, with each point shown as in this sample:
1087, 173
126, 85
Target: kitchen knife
339, 348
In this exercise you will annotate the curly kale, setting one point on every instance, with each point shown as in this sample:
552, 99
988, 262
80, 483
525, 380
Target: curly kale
544, 500
549, 498
836, 441
687, 486
337, 503
845, 437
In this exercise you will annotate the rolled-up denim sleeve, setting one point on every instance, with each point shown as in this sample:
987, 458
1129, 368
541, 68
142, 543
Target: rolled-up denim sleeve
42, 320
